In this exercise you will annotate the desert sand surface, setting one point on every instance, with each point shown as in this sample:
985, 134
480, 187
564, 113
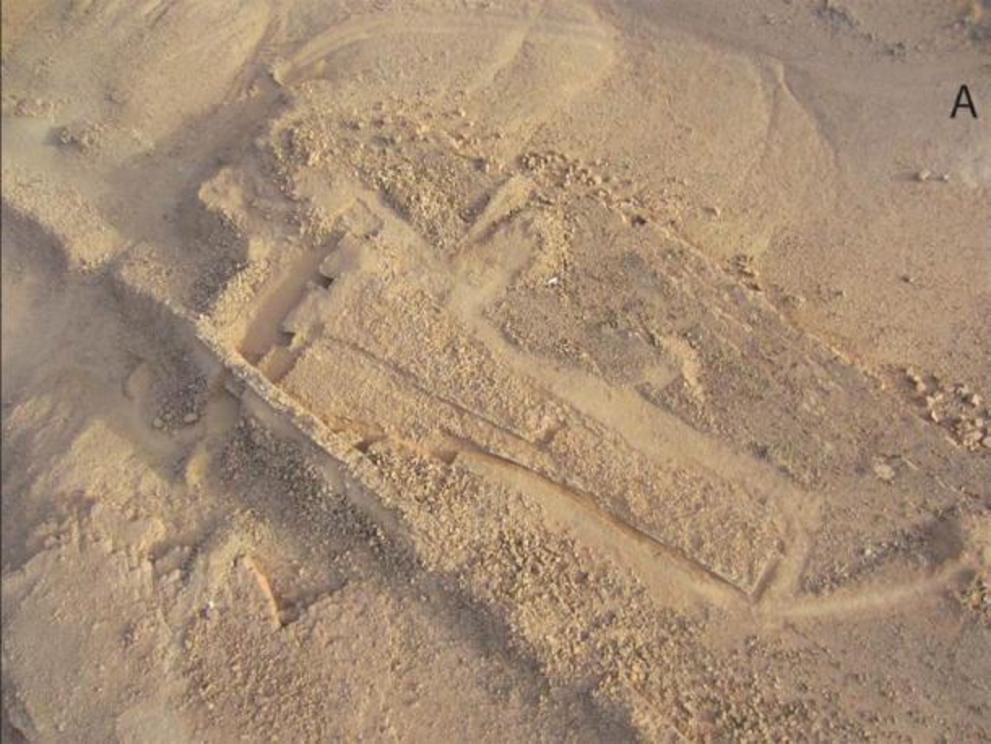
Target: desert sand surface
477, 370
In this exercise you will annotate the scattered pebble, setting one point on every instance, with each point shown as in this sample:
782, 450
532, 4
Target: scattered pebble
927, 175
970, 437
884, 472
956, 407
190, 418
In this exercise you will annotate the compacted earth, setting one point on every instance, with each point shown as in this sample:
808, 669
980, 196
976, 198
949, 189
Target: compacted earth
438, 370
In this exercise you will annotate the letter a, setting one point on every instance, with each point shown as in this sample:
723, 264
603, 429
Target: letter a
964, 101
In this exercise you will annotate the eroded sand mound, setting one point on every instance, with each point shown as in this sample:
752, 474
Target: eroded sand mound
495, 371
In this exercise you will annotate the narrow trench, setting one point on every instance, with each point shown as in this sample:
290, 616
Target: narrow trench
276, 303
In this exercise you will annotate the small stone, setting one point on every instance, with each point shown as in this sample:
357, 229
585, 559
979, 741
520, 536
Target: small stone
971, 438
975, 400
884, 472
190, 418
923, 175
986, 442
157, 422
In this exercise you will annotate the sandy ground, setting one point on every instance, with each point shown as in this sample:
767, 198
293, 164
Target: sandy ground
585, 370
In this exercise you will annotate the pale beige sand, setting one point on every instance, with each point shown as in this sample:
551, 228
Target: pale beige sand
496, 371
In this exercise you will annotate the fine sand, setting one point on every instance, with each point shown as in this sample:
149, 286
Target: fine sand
490, 370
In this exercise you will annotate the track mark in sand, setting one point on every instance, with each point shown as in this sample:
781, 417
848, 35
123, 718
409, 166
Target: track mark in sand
436, 24
870, 600
771, 599
656, 561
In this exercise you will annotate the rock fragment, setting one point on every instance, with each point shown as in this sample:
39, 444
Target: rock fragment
884, 471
